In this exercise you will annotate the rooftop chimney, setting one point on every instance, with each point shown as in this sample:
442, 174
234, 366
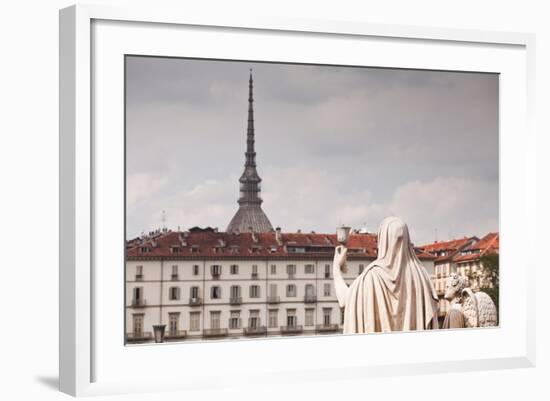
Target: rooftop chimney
278, 236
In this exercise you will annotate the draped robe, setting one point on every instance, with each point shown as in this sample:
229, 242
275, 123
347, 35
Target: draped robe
394, 292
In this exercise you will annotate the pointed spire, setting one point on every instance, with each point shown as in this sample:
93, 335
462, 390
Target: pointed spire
250, 153
250, 217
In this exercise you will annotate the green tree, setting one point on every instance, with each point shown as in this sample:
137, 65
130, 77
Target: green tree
491, 276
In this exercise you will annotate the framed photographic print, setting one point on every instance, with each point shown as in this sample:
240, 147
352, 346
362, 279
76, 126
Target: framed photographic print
334, 198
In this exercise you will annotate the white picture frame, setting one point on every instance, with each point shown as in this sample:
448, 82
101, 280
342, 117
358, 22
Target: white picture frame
88, 354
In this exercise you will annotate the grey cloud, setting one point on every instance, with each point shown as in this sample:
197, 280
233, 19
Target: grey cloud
369, 130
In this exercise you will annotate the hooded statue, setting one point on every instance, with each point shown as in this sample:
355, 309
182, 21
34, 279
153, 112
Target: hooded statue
394, 292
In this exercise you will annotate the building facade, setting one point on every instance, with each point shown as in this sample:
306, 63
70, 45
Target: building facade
469, 262
461, 256
444, 265
204, 284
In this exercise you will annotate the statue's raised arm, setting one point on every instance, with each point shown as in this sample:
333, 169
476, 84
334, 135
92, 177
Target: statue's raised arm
339, 265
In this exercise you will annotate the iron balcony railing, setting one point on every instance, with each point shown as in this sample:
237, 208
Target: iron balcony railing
254, 276
174, 276
255, 331
215, 332
139, 336
139, 277
326, 328
291, 329
273, 299
235, 300
138, 303
175, 334
195, 301
310, 299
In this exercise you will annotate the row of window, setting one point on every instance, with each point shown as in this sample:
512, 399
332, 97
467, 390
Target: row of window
234, 321
216, 270
443, 270
175, 271
254, 291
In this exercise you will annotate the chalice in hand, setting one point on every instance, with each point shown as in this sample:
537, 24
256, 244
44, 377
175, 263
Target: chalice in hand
342, 236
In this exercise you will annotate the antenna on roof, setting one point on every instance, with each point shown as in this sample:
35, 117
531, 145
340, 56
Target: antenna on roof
436, 235
163, 219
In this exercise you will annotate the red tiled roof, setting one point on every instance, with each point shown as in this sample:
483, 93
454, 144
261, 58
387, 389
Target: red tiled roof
487, 244
446, 245
424, 255
218, 245
450, 248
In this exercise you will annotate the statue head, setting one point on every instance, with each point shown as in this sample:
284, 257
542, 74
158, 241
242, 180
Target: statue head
393, 236
454, 286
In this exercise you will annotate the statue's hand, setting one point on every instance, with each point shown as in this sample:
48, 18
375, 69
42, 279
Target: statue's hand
340, 258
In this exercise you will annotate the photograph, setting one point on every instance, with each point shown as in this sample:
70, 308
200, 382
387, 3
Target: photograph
301, 200
271, 199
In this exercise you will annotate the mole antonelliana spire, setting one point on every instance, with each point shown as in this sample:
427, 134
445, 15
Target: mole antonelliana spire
250, 216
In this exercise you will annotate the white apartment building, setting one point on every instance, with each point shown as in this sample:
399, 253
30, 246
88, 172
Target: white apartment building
205, 284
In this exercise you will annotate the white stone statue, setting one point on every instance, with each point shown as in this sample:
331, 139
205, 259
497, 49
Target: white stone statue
393, 293
468, 309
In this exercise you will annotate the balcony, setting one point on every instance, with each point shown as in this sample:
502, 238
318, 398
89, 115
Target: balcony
255, 331
139, 337
273, 300
327, 275
139, 277
327, 328
254, 276
174, 277
309, 299
214, 332
175, 335
195, 301
138, 303
235, 300
296, 329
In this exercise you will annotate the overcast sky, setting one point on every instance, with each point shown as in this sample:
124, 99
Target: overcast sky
334, 145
